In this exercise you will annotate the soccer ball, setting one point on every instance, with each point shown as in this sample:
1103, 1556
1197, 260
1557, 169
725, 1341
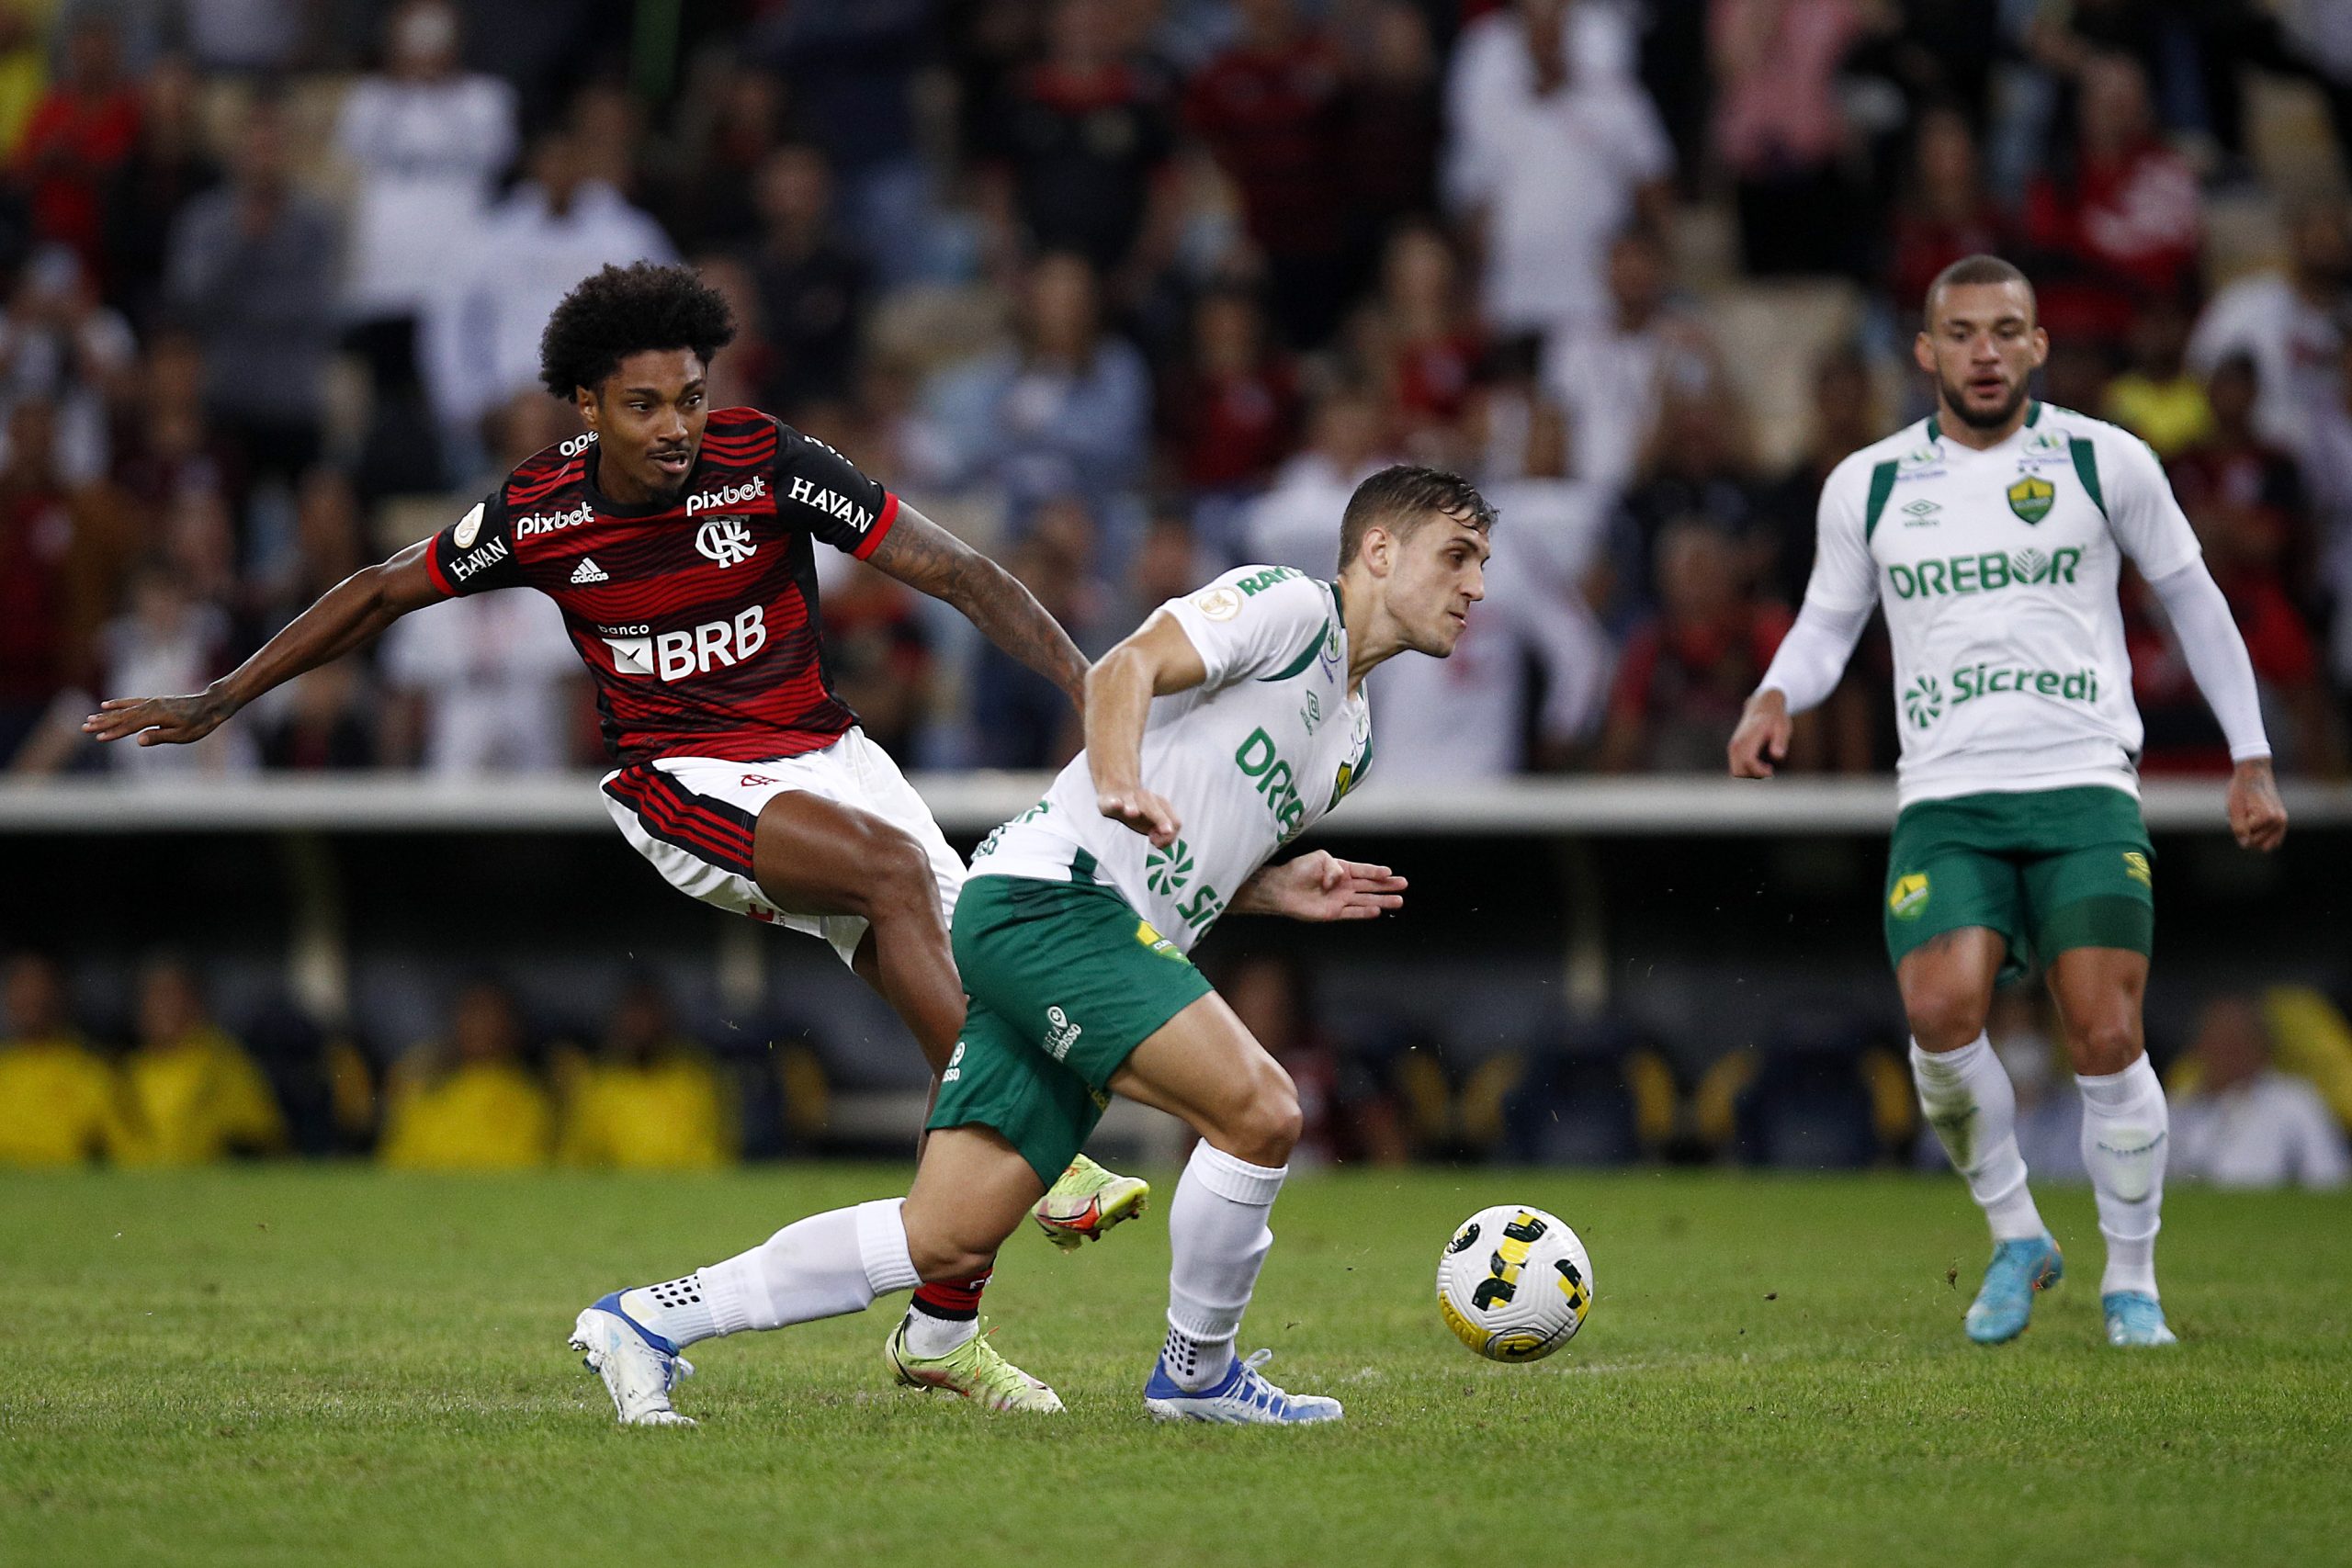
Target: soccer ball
1514, 1283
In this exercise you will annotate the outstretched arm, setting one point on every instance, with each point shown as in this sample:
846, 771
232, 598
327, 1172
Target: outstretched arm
351, 613
922, 555
1319, 886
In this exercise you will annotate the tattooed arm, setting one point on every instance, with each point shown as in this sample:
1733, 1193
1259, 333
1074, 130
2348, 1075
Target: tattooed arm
922, 555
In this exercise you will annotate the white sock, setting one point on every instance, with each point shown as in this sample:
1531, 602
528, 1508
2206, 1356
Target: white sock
932, 1338
2125, 1139
1968, 1099
1217, 1235
824, 1266
678, 1310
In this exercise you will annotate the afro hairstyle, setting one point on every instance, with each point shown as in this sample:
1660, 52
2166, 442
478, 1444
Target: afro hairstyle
629, 309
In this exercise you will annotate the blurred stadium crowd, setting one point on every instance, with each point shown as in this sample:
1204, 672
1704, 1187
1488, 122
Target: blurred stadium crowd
1129, 290
2262, 1095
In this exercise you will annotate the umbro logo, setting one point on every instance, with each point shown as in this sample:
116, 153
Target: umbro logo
588, 572
1921, 513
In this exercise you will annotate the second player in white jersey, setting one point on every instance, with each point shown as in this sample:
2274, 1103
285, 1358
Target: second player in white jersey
1268, 743
1998, 569
1994, 536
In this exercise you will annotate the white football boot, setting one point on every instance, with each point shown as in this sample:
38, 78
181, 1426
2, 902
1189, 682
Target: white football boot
639, 1366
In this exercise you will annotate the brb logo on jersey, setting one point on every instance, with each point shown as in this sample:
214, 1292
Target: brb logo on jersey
726, 540
673, 656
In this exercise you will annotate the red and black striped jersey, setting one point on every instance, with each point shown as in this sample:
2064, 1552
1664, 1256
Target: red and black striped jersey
697, 618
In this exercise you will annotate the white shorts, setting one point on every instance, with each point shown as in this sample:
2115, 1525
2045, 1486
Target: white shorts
694, 818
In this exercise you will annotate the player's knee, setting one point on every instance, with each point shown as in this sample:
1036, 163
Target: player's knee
1264, 1127
947, 1260
940, 1252
1944, 1017
899, 873
2108, 1045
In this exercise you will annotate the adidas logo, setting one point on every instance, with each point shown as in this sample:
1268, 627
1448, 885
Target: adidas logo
588, 572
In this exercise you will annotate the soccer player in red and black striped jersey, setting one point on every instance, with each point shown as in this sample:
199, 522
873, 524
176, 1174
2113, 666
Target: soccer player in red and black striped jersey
679, 543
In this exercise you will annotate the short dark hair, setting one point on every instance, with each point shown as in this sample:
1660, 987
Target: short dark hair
629, 310
1402, 498
1975, 269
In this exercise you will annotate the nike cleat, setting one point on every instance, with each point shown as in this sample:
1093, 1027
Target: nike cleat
2133, 1320
2019, 1270
973, 1369
1241, 1398
1088, 1200
639, 1367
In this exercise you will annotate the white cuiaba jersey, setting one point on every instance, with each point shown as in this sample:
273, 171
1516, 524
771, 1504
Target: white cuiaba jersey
1265, 745
1997, 572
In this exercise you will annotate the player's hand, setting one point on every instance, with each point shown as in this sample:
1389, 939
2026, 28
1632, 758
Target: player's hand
1763, 734
1141, 811
159, 721
2257, 815
1322, 887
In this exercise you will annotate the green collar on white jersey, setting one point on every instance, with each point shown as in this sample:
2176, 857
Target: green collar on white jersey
2032, 418
2085, 456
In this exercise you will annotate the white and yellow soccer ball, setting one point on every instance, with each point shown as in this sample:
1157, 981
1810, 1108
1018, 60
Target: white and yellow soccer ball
1514, 1283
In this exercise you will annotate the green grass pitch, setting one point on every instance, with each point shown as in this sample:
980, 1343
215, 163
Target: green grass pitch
297, 1366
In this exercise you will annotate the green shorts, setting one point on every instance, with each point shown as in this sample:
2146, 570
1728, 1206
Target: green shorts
2048, 869
1066, 980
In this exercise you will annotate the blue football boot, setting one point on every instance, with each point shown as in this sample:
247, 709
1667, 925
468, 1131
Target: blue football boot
2019, 1270
2133, 1319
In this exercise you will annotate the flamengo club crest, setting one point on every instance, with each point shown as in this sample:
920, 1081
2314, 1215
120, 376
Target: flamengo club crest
724, 540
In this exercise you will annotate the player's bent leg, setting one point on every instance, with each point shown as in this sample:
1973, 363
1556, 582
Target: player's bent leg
1203, 1067
1965, 1095
816, 856
824, 1265
968, 1196
2126, 1128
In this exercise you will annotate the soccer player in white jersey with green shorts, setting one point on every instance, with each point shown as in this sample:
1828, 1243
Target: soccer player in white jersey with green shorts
1225, 727
1992, 534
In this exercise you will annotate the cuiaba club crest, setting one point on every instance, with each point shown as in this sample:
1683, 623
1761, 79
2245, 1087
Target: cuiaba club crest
2031, 496
1908, 900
